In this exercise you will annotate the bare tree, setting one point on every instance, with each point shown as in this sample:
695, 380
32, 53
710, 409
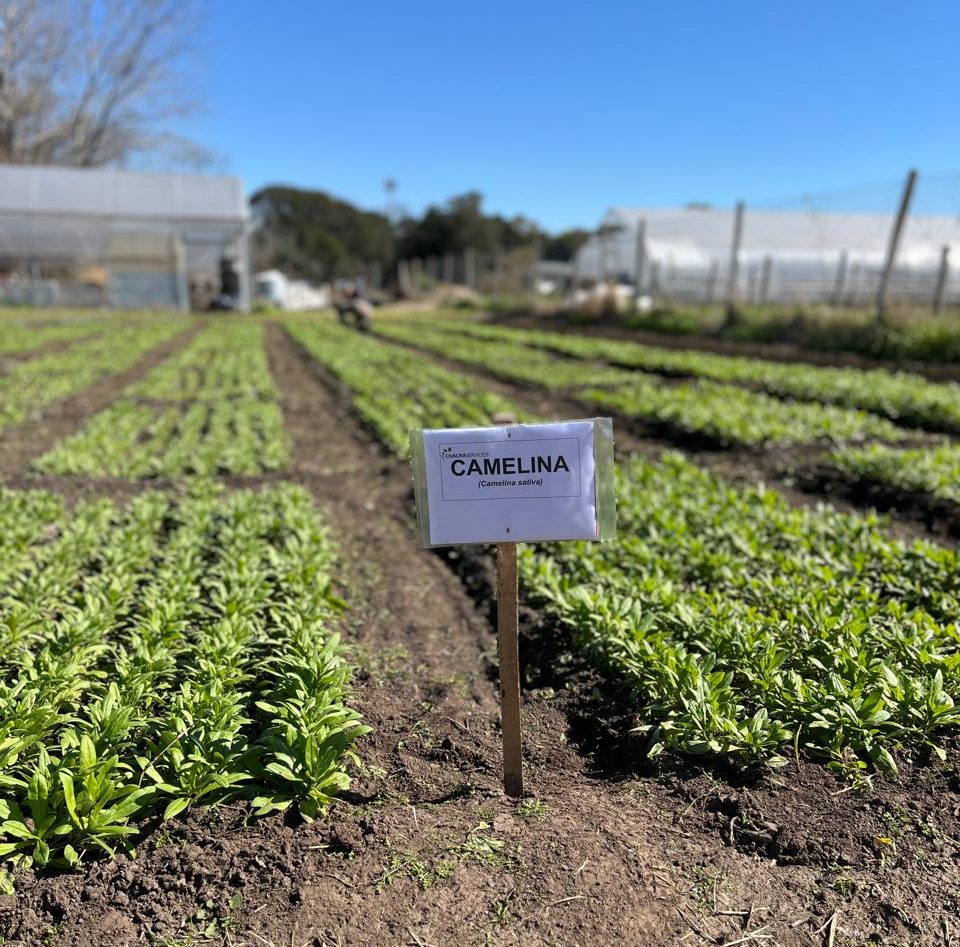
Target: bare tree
93, 82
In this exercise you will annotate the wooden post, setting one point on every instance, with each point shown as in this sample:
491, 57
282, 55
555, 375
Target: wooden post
939, 297
641, 257
735, 257
509, 649
470, 268
840, 280
448, 268
893, 246
655, 278
765, 279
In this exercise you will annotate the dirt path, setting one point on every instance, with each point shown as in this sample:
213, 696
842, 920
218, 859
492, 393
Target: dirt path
425, 850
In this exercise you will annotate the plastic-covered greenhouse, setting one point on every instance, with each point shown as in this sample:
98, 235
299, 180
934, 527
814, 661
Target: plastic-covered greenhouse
784, 256
126, 239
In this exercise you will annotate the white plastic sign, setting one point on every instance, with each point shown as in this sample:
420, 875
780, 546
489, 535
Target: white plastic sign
514, 483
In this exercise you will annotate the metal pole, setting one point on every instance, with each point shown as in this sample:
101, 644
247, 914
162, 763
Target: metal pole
735, 256
938, 299
893, 246
840, 280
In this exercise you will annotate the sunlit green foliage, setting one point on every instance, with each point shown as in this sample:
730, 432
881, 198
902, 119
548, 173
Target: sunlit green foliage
726, 413
395, 390
933, 470
233, 425
900, 396
746, 626
153, 657
33, 384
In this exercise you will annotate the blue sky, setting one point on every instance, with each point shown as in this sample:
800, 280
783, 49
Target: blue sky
559, 110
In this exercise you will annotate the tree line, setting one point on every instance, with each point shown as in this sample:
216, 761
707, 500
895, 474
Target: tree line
314, 236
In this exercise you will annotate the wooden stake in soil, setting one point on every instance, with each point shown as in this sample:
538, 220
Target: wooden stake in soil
509, 668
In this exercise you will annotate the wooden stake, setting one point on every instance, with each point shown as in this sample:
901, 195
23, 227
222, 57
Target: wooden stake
892, 248
734, 270
942, 274
509, 668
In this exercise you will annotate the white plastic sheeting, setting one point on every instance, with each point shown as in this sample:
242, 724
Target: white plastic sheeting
687, 252
78, 217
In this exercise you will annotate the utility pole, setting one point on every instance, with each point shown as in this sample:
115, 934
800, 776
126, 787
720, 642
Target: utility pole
734, 258
938, 299
641, 257
838, 283
893, 247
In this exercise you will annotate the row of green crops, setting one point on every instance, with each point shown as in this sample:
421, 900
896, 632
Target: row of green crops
19, 337
933, 470
395, 390
207, 438
725, 413
226, 360
900, 396
233, 425
751, 629
32, 385
174, 652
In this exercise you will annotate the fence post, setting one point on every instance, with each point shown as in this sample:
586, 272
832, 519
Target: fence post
448, 267
470, 268
939, 297
655, 278
641, 257
838, 283
735, 257
893, 246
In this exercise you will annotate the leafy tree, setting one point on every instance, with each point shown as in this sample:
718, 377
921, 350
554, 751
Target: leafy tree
564, 246
311, 235
461, 224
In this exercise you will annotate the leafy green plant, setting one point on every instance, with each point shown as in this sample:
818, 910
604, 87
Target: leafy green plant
210, 409
725, 413
171, 653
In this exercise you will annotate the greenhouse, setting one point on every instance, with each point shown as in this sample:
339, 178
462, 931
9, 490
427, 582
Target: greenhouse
123, 239
784, 256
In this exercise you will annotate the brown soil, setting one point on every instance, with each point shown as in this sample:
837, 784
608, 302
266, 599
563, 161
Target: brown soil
425, 849
771, 351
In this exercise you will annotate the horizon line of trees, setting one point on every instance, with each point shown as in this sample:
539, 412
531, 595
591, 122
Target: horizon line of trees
312, 235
